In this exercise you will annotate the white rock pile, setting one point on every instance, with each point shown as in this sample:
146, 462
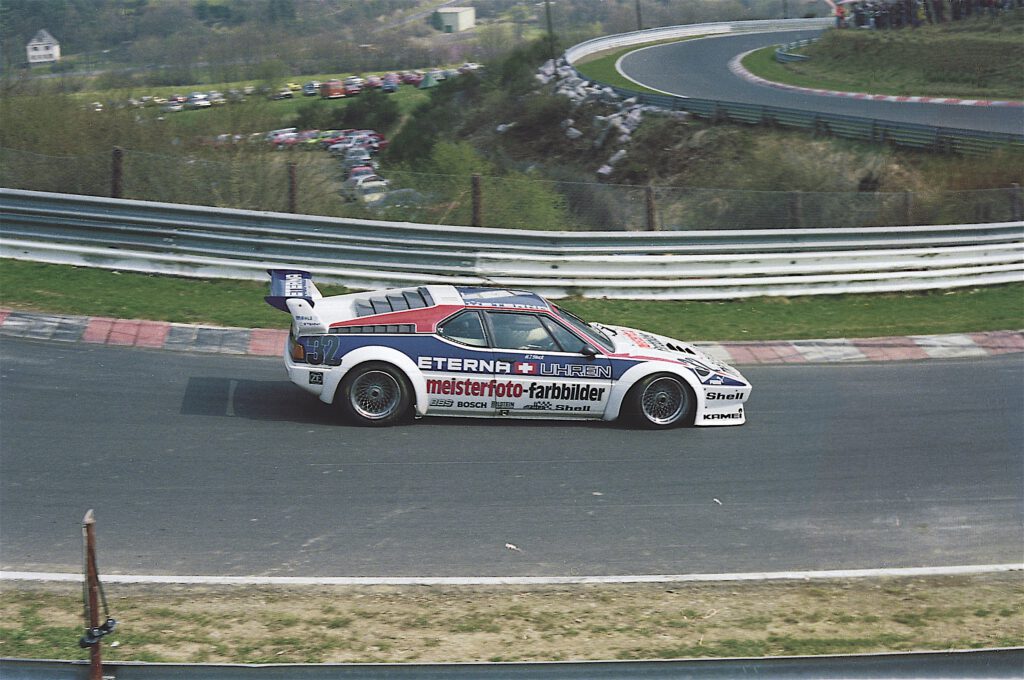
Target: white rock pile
623, 119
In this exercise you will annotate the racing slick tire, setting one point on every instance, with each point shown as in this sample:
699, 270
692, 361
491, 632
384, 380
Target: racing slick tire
661, 401
375, 395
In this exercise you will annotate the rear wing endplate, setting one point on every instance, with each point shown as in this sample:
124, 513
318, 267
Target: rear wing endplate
291, 284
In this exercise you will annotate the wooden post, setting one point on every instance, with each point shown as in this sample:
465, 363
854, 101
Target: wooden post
1016, 204
908, 207
652, 215
117, 173
478, 202
293, 187
796, 210
92, 583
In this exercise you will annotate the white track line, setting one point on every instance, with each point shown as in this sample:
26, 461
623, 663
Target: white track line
512, 580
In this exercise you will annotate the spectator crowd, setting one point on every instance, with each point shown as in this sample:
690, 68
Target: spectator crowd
901, 13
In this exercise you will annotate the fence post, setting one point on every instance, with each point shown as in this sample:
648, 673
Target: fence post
652, 215
117, 172
478, 202
1016, 203
796, 209
908, 207
293, 188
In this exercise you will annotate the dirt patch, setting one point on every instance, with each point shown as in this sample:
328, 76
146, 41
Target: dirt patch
512, 623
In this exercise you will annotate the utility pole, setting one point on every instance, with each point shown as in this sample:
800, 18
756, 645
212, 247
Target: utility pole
551, 30
639, 17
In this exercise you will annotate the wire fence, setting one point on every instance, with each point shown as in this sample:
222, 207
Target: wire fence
311, 184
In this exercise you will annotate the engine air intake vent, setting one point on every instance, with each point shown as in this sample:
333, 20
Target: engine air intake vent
395, 301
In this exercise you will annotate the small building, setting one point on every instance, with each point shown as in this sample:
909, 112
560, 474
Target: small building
456, 19
43, 48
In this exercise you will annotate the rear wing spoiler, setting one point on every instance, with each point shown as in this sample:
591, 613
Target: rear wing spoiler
293, 291
291, 284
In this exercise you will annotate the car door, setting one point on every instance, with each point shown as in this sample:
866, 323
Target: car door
547, 369
460, 372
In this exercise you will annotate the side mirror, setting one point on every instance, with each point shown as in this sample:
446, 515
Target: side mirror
588, 351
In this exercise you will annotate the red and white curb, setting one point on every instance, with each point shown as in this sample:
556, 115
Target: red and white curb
161, 335
736, 66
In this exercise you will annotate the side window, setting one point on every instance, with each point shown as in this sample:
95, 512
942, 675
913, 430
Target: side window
521, 331
567, 340
466, 328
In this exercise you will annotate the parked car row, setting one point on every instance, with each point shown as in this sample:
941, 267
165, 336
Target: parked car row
329, 89
356, 151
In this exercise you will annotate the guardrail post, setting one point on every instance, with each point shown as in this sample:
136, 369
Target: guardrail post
821, 127
293, 187
117, 172
1016, 203
908, 207
796, 209
478, 202
652, 215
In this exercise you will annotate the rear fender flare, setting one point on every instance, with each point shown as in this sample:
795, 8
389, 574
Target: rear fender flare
376, 353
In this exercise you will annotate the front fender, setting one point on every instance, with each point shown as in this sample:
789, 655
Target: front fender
641, 371
387, 355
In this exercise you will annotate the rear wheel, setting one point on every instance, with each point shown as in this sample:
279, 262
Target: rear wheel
375, 395
660, 402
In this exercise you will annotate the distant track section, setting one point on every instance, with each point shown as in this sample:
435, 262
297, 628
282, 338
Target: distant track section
695, 76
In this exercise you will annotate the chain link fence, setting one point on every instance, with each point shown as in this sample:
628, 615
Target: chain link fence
311, 183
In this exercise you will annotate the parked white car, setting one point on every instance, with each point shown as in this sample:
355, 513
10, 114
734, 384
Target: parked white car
351, 188
198, 100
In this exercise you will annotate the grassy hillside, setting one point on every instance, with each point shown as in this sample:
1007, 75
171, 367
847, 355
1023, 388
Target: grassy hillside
979, 58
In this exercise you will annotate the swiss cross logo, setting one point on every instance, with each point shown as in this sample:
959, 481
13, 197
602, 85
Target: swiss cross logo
524, 367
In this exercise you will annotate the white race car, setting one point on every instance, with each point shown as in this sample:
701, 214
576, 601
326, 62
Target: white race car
492, 352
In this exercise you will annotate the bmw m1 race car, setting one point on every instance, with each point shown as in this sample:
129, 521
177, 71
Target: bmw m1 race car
491, 352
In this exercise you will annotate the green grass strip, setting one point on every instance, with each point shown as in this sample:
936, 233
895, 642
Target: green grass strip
973, 59
84, 291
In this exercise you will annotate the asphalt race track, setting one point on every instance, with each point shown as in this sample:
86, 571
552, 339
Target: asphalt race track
217, 465
700, 69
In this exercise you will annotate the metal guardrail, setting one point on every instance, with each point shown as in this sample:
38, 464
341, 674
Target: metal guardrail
651, 35
912, 135
997, 664
785, 54
218, 242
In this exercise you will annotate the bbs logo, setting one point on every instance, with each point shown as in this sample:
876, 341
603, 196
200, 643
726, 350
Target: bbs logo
442, 403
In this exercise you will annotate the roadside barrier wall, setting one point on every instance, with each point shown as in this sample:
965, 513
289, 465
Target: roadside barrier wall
197, 241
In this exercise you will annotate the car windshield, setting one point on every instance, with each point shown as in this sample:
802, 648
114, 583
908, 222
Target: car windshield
596, 335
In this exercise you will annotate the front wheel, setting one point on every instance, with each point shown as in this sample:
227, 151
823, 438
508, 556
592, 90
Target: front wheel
661, 402
375, 395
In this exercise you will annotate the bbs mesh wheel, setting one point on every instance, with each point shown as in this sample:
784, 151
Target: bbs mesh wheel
661, 401
375, 394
